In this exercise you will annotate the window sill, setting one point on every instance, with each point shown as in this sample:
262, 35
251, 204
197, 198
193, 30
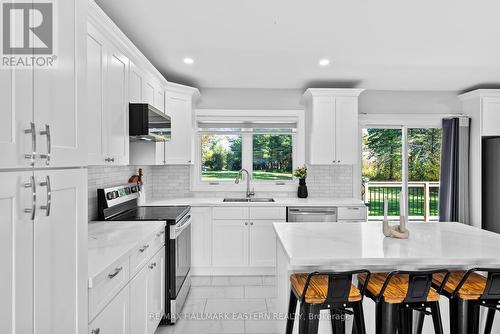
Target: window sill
229, 186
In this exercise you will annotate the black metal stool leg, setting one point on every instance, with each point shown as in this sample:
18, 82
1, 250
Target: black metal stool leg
388, 318
358, 324
292, 306
309, 319
420, 322
436, 318
489, 321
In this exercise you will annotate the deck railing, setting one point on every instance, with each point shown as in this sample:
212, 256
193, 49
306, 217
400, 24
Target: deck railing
423, 200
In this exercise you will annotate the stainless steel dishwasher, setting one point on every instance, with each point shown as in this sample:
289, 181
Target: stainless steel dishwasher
311, 215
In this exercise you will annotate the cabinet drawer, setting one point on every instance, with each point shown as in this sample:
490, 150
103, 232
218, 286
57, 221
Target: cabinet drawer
230, 213
140, 256
268, 213
157, 242
115, 316
107, 285
357, 213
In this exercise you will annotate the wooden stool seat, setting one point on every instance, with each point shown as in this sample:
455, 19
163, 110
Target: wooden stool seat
472, 289
318, 288
396, 290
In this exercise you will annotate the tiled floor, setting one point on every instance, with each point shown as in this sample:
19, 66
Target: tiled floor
222, 304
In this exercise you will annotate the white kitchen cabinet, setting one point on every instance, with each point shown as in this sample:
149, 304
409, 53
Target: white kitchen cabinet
115, 318
491, 116
352, 214
47, 98
107, 101
16, 254
160, 98
55, 103
201, 237
147, 295
332, 126
148, 91
262, 243
135, 84
60, 227
230, 243
179, 105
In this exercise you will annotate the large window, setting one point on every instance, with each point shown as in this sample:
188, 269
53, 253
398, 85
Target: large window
220, 156
383, 174
272, 157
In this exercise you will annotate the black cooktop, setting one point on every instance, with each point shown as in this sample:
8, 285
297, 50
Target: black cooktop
170, 214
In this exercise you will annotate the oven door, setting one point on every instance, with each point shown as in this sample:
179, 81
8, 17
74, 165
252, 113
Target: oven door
180, 254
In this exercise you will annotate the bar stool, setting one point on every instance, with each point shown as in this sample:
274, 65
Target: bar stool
468, 291
398, 294
326, 290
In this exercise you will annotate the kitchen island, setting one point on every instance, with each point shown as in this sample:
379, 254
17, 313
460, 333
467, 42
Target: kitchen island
308, 247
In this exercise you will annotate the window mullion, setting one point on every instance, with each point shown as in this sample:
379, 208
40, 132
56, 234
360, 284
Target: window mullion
247, 152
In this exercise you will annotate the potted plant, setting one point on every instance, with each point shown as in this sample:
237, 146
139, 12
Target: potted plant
301, 174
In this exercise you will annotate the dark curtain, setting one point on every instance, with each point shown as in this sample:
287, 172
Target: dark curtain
449, 185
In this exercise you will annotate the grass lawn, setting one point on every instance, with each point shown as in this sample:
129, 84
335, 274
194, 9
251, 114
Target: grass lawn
257, 175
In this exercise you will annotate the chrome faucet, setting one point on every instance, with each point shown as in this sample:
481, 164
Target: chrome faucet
250, 193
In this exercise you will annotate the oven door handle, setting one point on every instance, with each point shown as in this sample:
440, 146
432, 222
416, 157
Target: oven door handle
176, 230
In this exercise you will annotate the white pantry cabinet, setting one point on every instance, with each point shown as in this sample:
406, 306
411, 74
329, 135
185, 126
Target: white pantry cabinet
42, 123
107, 91
180, 101
43, 223
332, 126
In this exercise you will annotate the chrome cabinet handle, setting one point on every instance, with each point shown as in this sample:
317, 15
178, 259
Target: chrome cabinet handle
246, 223
109, 159
117, 271
32, 131
152, 265
49, 145
31, 185
95, 331
143, 248
251, 223
47, 206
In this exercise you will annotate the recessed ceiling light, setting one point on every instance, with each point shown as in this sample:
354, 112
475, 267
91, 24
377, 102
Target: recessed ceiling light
324, 62
188, 61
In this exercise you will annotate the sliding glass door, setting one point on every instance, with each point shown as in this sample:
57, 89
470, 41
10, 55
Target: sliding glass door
385, 152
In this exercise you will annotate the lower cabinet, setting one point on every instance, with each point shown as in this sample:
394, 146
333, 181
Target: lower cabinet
262, 243
114, 319
230, 243
147, 296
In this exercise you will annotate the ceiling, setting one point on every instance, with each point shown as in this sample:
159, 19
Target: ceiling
385, 44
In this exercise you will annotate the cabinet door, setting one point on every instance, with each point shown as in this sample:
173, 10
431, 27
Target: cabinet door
114, 319
230, 243
148, 92
346, 130
135, 84
139, 317
59, 99
322, 131
262, 243
96, 69
201, 236
179, 150
156, 290
491, 116
117, 107
16, 254
16, 103
160, 99
60, 248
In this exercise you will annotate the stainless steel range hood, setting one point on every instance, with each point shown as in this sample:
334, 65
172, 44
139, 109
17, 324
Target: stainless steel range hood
146, 123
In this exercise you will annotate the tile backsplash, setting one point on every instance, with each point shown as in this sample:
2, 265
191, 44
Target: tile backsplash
174, 181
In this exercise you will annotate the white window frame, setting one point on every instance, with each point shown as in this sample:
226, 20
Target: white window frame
298, 150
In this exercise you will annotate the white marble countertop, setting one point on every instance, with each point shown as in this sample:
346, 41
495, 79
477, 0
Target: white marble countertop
362, 245
279, 201
110, 241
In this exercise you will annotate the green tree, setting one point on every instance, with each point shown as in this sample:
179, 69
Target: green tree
384, 153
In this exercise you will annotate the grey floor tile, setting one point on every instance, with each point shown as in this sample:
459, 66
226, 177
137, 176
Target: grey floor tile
199, 292
236, 280
259, 326
260, 291
209, 327
201, 280
239, 306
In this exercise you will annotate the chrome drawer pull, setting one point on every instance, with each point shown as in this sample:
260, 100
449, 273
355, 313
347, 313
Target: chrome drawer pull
32, 131
117, 271
95, 331
143, 248
31, 185
49, 196
49, 145
152, 265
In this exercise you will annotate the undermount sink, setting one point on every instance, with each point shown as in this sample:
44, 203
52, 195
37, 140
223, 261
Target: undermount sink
246, 200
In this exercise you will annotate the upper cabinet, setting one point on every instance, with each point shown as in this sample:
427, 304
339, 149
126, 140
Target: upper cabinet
43, 122
180, 101
107, 101
332, 135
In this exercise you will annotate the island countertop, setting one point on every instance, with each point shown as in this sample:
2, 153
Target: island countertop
362, 245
